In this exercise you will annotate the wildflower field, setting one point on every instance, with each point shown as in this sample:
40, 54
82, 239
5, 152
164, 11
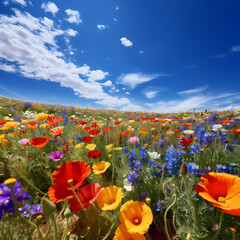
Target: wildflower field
80, 173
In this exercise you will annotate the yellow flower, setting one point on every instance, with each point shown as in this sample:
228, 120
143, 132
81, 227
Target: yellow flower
152, 129
145, 145
79, 145
142, 133
100, 167
188, 132
101, 125
131, 121
109, 155
109, 198
117, 148
24, 121
136, 216
44, 125
14, 134
91, 147
109, 147
11, 124
4, 128
122, 233
41, 116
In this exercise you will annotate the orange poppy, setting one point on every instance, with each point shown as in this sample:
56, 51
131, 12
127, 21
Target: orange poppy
122, 233
226, 121
39, 142
53, 121
109, 198
136, 216
57, 131
144, 129
187, 124
222, 190
236, 130
78, 171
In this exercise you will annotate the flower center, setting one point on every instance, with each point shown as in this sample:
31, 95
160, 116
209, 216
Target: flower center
221, 199
137, 221
1, 192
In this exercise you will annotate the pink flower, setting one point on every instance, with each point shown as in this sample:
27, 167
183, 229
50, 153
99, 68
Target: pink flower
133, 139
24, 141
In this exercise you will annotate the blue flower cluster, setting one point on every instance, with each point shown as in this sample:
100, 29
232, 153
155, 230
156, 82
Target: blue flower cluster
160, 205
172, 156
232, 169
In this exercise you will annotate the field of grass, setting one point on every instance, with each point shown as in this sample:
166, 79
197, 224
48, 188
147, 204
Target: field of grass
79, 173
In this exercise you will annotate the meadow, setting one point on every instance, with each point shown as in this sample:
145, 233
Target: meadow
79, 173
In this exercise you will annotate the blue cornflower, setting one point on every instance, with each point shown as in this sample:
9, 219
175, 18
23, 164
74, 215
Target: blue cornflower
79, 138
192, 168
160, 206
195, 148
152, 163
124, 150
132, 177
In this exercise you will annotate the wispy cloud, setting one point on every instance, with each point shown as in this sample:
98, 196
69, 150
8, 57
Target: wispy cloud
133, 79
101, 26
235, 48
151, 94
125, 42
193, 91
21, 2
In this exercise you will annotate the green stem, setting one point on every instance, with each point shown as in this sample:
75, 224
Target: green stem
54, 227
165, 216
76, 196
192, 202
40, 234
219, 227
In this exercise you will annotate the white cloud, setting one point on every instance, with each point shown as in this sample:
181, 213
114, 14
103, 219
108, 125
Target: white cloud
50, 7
193, 91
117, 8
73, 16
235, 48
115, 20
21, 2
151, 94
127, 93
108, 83
101, 26
8, 68
125, 42
133, 79
72, 32
133, 108
96, 75
140, 52
28, 44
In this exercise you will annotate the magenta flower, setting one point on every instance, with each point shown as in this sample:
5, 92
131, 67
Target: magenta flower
133, 139
24, 141
53, 140
56, 156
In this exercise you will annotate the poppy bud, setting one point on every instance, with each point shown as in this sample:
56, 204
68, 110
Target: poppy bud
183, 169
189, 237
48, 207
148, 200
67, 213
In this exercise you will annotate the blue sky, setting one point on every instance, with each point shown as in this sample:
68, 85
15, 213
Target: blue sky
159, 55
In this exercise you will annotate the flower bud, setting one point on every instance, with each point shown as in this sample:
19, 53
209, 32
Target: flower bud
48, 207
189, 237
67, 213
39, 220
148, 200
183, 169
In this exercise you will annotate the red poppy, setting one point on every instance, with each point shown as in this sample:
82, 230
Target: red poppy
175, 130
186, 141
78, 171
94, 132
66, 148
83, 122
187, 124
87, 128
39, 142
94, 154
87, 139
105, 130
118, 122
110, 128
87, 195
94, 123
71, 118
2, 123
32, 123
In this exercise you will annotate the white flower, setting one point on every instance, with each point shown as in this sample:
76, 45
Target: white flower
216, 127
188, 132
127, 186
154, 155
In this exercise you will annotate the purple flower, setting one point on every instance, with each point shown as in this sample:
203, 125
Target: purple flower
53, 139
56, 156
